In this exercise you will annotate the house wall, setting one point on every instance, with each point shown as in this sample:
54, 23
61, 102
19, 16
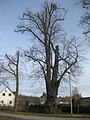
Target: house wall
7, 97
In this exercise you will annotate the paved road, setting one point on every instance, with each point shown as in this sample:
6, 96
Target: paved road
31, 117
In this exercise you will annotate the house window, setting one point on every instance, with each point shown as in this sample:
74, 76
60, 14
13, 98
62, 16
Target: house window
3, 94
2, 101
5, 90
10, 102
10, 94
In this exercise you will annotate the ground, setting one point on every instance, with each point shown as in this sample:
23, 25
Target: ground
34, 117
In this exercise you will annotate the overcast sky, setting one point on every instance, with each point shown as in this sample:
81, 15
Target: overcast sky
10, 41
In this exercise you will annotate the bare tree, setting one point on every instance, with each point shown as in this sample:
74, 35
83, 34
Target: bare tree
2, 78
11, 66
54, 53
85, 18
76, 96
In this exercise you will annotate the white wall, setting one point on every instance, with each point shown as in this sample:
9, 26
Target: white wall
7, 97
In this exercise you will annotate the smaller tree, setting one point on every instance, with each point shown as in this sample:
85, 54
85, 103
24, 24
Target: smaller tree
75, 94
44, 94
11, 66
76, 97
26, 106
3, 80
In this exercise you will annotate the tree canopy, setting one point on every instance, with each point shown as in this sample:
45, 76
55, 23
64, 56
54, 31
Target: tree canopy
54, 53
85, 18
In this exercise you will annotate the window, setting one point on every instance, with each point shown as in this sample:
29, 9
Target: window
2, 101
3, 94
10, 94
5, 90
10, 102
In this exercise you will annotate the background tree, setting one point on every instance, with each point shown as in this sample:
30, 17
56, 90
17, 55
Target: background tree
85, 18
3, 80
11, 66
54, 53
76, 96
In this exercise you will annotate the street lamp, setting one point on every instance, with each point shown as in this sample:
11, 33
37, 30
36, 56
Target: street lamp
70, 94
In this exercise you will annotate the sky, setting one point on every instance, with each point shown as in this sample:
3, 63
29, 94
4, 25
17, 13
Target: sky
10, 41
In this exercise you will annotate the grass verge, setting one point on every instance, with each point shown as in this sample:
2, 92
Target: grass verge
5, 118
57, 115
9, 118
47, 115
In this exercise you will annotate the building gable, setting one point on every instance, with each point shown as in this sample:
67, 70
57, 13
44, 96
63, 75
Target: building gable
7, 97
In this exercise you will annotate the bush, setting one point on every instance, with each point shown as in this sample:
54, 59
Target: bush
6, 108
64, 108
36, 108
84, 109
76, 109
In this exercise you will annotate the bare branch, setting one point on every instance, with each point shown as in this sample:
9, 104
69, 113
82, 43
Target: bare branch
35, 59
10, 59
8, 70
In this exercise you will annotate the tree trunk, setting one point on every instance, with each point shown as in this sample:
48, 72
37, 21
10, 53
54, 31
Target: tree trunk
16, 95
52, 86
51, 100
17, 84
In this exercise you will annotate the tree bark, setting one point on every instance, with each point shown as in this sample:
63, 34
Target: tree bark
53, 84
17, 84
16, 94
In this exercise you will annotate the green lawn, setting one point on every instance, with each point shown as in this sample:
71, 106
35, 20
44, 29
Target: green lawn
4, 118
56, 115
7, 118
48, 115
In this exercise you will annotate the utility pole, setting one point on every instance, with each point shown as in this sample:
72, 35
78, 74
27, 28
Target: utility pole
70, 94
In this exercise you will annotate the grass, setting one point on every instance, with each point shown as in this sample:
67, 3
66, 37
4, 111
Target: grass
57, 115
48, 115
5, 118
8, 118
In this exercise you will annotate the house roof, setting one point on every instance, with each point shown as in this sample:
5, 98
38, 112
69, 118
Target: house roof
8, 88
86, 98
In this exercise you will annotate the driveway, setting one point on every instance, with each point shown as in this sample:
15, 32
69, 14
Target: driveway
32, 117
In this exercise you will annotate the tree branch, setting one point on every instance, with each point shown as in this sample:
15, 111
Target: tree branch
10, 59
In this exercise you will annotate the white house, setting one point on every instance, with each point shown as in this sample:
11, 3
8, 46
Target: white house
7, 97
